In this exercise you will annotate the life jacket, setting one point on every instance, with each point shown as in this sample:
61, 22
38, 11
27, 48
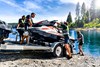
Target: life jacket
23, 21
65, 28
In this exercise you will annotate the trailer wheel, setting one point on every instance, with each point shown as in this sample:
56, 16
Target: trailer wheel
58, 51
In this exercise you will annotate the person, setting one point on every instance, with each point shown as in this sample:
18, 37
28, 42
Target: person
81, 41
29, 20
28, 23
25, 36
66, 38
21, 25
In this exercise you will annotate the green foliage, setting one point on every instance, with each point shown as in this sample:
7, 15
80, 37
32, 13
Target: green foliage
69, 18
87, 17
94, 23
73, 25
79, 23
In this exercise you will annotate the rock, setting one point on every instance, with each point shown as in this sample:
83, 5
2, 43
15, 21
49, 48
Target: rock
93, 65
26, 60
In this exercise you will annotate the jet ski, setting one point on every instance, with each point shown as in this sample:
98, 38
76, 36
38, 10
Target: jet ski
45, 31
4, 31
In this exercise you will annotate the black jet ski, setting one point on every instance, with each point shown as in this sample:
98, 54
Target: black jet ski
45, 31
4, 31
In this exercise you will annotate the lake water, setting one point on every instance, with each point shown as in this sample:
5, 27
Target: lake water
91, 44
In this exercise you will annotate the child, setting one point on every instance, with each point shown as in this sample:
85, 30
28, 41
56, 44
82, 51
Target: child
81, 41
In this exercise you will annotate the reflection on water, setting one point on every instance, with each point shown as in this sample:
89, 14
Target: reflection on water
91, 42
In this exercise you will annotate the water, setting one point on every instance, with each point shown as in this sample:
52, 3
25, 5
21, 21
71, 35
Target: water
91, 44
13, 35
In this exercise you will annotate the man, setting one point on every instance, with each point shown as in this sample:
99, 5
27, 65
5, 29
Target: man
29, 20
21, 24
66, 37
81, 41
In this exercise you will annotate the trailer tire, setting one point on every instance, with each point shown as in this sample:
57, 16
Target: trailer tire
58, 51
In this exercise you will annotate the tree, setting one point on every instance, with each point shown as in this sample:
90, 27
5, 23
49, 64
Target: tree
69, 18
83, 9
78, 21
83, 13
87, 17
92, 10
78, 11
97, 13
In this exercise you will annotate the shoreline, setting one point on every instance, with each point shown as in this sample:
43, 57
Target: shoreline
31, 60
87, 29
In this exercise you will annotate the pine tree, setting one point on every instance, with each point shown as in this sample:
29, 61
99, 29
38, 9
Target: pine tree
87, 17
92, 10
83, 9
77, 19
78, 11
69, 18
83, 13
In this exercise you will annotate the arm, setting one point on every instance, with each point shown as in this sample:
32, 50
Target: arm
80, 37
30, 22
18, 23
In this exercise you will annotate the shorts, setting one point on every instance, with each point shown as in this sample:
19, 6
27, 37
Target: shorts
66, 39
80, 43
21, 32
25, 33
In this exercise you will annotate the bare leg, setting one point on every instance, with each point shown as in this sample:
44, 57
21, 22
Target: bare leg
68, 50
27, 39
22, 40
80, 50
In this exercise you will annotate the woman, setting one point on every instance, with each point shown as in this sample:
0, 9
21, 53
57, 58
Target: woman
81, 41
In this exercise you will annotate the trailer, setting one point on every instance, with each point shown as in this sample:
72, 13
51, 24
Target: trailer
43, 37
55, 48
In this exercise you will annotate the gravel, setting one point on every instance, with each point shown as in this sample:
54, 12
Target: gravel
43, 59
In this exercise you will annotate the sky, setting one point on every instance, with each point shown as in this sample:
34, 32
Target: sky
12, 10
